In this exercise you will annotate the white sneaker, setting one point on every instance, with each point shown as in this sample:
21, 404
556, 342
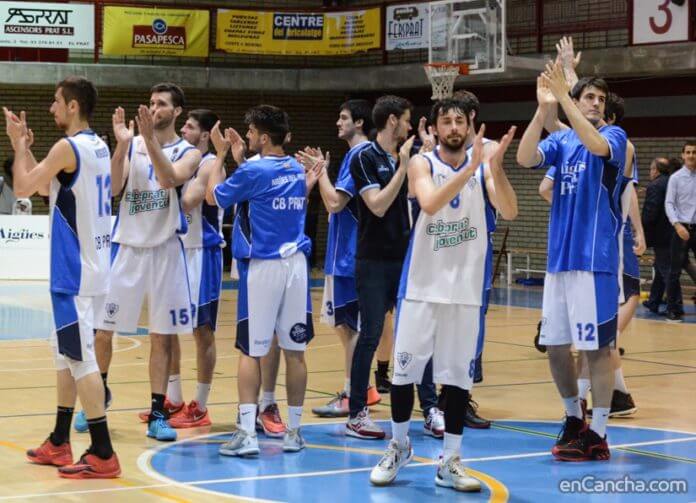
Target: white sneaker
451, 473
361, 426
293, 441
434, 424
242, 444
385, 472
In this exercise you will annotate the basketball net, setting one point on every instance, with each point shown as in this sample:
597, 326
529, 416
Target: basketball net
442, 77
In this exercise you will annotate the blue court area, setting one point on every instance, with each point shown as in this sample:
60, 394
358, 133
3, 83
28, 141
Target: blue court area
512, 460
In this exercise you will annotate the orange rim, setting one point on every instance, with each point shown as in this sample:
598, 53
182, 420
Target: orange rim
463, 67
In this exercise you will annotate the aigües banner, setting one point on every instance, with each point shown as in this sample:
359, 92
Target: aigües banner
298, 33
139, 31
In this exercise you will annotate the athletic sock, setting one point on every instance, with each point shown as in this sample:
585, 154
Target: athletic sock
346, 387
400, 433
268, 398
572, 407
156, 405
619, 382
101, 441
174, 392
247, 417
452, 445
61, 432
600, 417
583, 388
202, 393
294, 416
383, 368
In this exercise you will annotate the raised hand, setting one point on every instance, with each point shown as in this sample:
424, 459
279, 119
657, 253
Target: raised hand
477, 151
122, 133
568, 58
426, 135
555, 79
405, 151
16, 129
219, 142
237, 144
310, 157
545, 97
146, 126
497, 157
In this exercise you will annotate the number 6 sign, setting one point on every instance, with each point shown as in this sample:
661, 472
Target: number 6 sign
656, 21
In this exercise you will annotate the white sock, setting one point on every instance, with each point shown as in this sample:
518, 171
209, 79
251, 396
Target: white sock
583, 388
572, 406
619, 382
267, 399
452, 446
400, 433
247, 417
600, 416
174, 392
294, 417
346, 387
202, 393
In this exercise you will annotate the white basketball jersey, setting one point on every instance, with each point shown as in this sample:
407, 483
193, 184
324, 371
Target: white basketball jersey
148, 214
445, 262
80, 213
203, 229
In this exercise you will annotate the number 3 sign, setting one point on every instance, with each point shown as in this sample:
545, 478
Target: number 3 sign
656, 21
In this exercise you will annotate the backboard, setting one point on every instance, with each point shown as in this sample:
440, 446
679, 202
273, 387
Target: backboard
468, 31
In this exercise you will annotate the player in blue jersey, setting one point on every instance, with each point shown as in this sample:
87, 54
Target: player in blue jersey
271, 249
75, 174
583, 254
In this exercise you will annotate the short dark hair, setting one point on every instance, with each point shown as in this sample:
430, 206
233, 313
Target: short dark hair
615, 108
471, 102
674, 165
269, 120
386, 106
177, 94
359, 110
689, 143
662, 165
205, 118
81, 90
585, 82
441, 107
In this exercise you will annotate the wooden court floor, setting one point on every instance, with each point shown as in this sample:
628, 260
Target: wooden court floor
659, 365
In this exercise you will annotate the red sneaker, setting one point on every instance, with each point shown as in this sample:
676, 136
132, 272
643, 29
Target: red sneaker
92, 467
587, 447
190, 416
373, 396
270, 422
49, 454
169, 409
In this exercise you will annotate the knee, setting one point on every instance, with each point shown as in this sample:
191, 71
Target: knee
161, 343
80, 369
294, 357
558, 352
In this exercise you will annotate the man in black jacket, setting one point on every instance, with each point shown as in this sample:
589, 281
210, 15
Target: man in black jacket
658, 231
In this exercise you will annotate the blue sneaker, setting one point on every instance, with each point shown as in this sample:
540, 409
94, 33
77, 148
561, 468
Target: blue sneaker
80, 424
159, 429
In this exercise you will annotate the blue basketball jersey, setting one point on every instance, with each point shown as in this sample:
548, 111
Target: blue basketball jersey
271, 199
585, 218
343, 226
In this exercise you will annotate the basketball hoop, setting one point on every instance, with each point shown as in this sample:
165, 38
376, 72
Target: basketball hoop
442, 77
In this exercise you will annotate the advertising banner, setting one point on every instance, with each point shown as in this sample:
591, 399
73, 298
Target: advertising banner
46, 25
300, 34
138, 31
407, 26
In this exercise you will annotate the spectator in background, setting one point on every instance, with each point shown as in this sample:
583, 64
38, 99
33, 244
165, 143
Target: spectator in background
9, 204
658, 231
680, 207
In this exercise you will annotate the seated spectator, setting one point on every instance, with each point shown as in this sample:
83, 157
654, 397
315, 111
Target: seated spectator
9, 204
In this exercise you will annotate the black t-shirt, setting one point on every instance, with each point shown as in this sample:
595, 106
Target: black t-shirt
384, 238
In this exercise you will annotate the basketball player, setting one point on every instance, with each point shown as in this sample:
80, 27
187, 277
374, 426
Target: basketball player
271, 249
203, 244
443, 284
75, 174
148, 256
583, 259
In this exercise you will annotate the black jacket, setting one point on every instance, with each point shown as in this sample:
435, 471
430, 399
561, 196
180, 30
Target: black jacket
658, 230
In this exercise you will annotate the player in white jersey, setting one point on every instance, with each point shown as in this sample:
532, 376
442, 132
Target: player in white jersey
443, 282
148, 256
270, 245
203, 243
75, 174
